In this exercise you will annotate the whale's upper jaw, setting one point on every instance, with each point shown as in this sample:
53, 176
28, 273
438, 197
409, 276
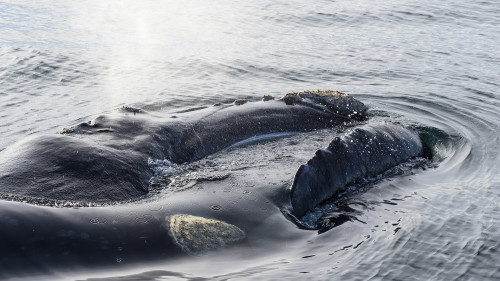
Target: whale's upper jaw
106, 159
229, 124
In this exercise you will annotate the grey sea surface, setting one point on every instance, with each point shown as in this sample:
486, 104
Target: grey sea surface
432, 64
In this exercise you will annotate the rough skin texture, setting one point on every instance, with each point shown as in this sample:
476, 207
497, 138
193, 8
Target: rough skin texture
364, 152
340, 103
197, 235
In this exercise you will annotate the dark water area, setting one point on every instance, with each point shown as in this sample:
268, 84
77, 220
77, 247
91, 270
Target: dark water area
432, 64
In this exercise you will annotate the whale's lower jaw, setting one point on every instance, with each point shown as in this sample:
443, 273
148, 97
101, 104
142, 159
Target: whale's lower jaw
364, 152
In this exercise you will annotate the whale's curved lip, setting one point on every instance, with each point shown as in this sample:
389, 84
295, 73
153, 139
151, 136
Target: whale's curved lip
263, 137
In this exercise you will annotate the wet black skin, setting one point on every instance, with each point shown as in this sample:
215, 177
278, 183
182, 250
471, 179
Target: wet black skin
364, 152
106, 161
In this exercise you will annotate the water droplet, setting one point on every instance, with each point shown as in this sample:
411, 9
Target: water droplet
98, 221
216, 207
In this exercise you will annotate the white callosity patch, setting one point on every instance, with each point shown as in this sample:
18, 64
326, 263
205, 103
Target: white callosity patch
198, 235
337, 102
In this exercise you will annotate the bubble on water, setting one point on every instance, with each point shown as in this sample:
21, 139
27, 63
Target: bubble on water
216, 207
98, 220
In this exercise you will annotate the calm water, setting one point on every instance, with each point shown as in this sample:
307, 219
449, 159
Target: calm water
434, 64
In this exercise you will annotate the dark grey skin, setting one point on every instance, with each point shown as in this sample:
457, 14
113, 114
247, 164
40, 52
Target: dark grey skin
365, 152
106, 160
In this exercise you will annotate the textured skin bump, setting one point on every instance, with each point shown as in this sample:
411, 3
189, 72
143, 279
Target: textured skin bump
336, 102
198, 235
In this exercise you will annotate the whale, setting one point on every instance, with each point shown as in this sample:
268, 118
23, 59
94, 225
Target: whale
106, 159
109, 164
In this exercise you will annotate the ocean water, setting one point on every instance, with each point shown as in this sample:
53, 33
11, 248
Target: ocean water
432, 64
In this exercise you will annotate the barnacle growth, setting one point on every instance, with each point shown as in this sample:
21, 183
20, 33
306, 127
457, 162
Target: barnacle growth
335, 101
198, 235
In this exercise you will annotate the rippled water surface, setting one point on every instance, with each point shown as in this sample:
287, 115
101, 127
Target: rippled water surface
433, 64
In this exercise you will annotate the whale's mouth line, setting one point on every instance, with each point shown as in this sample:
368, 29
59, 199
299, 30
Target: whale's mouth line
259, 138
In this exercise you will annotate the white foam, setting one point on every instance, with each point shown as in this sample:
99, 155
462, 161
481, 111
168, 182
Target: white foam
163, 167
